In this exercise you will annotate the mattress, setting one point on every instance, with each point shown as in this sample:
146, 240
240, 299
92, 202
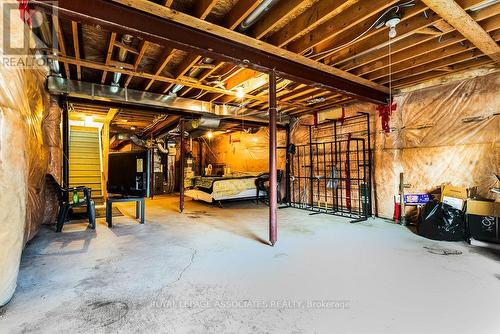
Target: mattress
222, 188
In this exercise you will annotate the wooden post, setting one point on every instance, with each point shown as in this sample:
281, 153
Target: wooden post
273, 175
65, 140
183, 159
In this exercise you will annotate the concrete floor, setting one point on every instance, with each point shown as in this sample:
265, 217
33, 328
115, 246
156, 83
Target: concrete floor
208, 271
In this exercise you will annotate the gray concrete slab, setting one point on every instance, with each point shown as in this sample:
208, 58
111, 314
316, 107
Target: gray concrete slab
209, 271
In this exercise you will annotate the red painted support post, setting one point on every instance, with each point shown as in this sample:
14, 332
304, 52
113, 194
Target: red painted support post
183, 159
273, 173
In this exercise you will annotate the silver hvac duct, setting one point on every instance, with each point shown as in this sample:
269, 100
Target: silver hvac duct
41, 21
106, 93
122, 56
205, 123
257, 14
161, 145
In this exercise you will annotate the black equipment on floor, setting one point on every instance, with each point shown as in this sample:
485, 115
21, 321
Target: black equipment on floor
331, 173
262, 184
129, 173
69, 198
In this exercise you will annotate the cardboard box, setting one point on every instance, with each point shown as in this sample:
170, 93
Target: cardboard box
453, 191
483, 220
483, 208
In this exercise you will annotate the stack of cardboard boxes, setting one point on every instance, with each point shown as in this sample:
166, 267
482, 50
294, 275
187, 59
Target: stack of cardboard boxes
482, 216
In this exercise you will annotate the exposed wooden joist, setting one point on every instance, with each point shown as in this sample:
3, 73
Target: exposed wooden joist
278, 14
466, 65
60, 40
109, 54
167, 56
203, 8
427, 53
310, 20
102, 67
239, 12
458, 18
361, 32
411, 42
202, 77
328, 10
232, 20
162, 25
380, 40
183, 68
464, 71
337, 25
126, 47
76, 46
138, 60
453, 55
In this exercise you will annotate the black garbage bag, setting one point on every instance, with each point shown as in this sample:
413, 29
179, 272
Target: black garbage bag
440, 221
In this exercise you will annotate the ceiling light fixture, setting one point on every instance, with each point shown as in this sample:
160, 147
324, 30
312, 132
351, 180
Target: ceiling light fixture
210, 134
240, 93
391, 23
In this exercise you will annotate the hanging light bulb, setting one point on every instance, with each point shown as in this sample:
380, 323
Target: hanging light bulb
391, 23
210, 134
240, 93
392, 32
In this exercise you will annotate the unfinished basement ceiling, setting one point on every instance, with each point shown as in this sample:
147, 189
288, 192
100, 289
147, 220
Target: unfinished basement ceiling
349, 35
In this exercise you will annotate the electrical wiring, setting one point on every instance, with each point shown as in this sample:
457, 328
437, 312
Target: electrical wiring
375, 23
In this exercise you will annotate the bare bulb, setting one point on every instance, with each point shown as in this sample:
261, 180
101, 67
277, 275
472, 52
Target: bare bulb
240, 93
392, 32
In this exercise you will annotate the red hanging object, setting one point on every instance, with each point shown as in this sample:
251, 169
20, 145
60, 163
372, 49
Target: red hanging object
24, 11
385, 112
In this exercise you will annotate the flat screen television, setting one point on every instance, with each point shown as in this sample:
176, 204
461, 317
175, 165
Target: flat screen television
129, 173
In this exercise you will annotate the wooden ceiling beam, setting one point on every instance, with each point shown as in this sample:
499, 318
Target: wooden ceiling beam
279, 14
361, 32
447, 62
138, 60
183, 68
201, 11
457, 68
325, 14
203, 8
335, 26
309, 21
207, 73
166, 57
109, 54
76, 47
426, 53
239, 12
60, 40
127, 48
456, 16
410, 42
380, 40
103, 67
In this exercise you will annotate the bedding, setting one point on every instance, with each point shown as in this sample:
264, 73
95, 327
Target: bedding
218, 188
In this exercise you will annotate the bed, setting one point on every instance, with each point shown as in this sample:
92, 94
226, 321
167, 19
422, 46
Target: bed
221, 188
